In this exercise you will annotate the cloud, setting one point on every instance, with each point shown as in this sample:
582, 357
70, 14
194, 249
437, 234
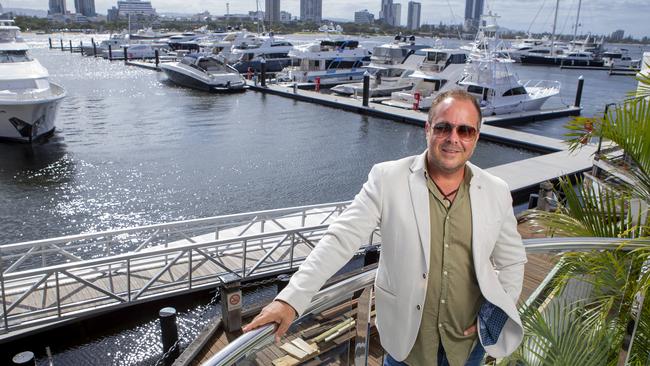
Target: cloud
598, 16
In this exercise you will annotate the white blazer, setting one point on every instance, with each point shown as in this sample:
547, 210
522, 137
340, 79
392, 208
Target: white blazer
395, 198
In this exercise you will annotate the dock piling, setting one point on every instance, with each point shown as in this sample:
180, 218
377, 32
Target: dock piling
295, 88
81, 47
126, 56
231, 302
94, 47
24, 359
157, 53
61, 42
545, 196
366, 89
49, 39
581, 82
263, 72
110, 53
169, 334
70, 42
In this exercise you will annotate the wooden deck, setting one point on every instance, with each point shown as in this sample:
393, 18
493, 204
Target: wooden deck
536, 270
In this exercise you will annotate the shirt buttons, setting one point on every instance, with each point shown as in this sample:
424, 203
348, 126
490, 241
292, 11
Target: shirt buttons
417, 307
444, 273
439, 325
424, 275
442, 301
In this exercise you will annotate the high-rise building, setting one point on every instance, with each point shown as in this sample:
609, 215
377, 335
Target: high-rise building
473, 12
397, 15
413, 20
57, 7
272, 11
364, 17
85, 7
386, 12
135, 8
311, 10
617, 35
285, 17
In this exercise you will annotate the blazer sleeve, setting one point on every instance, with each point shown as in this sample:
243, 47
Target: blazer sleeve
509, 255
342, 239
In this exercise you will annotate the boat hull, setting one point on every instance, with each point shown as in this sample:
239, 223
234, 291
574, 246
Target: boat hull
557, 61
187, 81
29, 120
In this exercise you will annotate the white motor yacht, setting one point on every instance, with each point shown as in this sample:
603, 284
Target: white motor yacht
116, 41
331, 62
274, 51
620, 59
438, 72
395, 52
28, 100
204, 72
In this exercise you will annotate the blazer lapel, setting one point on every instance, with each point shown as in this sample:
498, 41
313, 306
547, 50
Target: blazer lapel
420, 201
479, 207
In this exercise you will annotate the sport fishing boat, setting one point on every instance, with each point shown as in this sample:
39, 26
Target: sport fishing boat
28, 100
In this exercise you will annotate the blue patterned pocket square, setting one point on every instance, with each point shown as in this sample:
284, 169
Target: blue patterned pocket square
491, 322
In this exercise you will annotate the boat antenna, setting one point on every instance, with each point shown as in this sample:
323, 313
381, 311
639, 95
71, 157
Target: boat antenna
227, 13
557, 5
535, 18
453, 18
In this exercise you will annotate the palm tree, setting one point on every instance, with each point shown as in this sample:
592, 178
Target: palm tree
596, 329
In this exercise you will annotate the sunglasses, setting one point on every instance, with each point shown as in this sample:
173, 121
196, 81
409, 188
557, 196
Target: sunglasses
464, 132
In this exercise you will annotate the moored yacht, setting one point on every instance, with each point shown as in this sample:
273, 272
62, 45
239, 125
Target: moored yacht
330, 62
204, 72
115, 41
273, 50
28, 100
438, 72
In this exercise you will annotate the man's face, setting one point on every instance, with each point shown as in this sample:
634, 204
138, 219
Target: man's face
450, 149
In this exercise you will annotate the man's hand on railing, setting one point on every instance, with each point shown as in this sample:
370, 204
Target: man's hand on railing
278, 312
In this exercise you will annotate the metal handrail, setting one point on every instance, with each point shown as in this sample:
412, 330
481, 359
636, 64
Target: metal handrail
249, 342
208, 220
253, 340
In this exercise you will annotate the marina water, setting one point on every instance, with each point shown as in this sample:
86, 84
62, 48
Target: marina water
131, 149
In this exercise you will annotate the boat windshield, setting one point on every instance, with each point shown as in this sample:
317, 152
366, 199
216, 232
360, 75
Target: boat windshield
14, 56
211, 65
389, 52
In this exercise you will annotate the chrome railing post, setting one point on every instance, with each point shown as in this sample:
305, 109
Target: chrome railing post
243, 259
4, 296
128, 279
293, 244
189, 269
58, 294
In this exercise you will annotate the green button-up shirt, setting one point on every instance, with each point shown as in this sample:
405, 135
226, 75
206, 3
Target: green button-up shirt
453, 296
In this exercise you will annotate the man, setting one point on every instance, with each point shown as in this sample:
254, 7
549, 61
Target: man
451, 260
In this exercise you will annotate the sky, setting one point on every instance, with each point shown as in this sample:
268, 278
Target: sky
596, 16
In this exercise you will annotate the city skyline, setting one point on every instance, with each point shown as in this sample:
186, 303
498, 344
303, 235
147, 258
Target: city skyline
597, 16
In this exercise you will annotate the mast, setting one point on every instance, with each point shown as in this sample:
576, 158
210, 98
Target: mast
575, 30
557, 5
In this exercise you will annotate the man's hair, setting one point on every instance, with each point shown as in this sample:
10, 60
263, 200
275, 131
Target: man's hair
456, 94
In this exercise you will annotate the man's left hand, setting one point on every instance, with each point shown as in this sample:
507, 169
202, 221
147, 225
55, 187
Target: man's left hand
470, 330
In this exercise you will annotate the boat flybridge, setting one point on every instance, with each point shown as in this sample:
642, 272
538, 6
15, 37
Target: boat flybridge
28, 100
332, 62
386, 77
273, 50
395, 52
204, 72
438, 72
489, 77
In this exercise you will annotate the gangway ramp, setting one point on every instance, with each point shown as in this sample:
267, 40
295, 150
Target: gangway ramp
50, 281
